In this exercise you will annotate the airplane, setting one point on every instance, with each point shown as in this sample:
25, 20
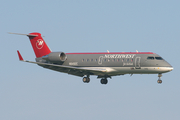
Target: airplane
102, 64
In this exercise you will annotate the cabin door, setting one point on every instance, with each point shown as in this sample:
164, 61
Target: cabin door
137, 63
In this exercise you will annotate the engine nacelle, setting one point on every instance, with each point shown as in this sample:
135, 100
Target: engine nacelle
56, 57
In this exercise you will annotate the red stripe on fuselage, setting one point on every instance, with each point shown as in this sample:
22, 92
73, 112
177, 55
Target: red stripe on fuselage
116, 53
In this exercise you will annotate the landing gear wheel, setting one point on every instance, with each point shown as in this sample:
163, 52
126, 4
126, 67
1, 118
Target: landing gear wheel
86, 79
104, 81
159, 81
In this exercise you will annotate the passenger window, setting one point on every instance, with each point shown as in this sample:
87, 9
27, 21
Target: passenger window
95, 60
159, 58
87, 60
131, 60
91, 60
127, 60
122, 60
104, 60
82, 60
150, 58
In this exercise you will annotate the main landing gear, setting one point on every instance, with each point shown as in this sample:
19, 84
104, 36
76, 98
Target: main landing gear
104, 81
86, 79
159, 80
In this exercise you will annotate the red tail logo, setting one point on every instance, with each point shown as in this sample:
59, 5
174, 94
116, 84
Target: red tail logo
39, 46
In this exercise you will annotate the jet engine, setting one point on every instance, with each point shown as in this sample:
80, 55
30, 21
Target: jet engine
55, 57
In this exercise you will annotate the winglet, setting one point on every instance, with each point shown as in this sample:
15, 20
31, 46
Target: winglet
19, 55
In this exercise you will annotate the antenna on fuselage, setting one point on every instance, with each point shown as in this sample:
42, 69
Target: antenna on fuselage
136, 51
108, 51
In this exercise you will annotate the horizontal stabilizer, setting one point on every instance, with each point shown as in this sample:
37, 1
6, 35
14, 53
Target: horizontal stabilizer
19, 55
29, 35
38, 44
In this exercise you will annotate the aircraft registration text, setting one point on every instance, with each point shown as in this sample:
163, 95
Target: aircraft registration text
73, 63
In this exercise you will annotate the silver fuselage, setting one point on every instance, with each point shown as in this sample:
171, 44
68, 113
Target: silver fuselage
115, 63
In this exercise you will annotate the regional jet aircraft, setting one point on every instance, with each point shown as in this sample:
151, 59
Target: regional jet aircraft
103, 64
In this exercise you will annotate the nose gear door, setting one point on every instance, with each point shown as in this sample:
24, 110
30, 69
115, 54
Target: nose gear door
137, 63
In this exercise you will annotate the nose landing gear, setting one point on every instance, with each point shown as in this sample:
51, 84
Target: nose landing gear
159, 81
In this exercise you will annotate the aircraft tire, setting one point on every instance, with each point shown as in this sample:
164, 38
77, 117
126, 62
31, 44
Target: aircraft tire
86, 79
159, 81
104, 81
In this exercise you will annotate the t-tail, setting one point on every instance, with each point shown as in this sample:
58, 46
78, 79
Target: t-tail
38, 44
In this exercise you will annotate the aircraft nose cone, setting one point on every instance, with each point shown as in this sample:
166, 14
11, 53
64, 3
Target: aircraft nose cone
171, 68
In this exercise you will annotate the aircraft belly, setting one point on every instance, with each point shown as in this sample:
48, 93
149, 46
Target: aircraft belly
143, 70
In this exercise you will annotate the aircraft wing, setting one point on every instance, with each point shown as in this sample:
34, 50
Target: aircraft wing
77, 71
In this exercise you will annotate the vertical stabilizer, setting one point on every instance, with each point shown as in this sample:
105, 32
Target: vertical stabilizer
39, 46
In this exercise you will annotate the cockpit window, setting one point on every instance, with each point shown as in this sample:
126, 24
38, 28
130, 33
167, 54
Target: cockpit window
150, 58
159, 58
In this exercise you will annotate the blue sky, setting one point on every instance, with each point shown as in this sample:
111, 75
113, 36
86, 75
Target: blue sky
28, 91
